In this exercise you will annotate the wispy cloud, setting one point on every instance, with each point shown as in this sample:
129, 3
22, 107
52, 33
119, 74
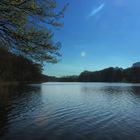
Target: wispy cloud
96, 10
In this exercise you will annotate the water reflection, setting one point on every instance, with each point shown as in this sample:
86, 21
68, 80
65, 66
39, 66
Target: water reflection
70, 111
14, 101
111, 88
114, 94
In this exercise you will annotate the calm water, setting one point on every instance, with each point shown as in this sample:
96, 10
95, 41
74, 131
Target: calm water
70, 111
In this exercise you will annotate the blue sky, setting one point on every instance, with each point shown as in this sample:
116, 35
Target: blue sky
97, 34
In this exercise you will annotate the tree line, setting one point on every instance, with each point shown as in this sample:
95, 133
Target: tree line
106, 75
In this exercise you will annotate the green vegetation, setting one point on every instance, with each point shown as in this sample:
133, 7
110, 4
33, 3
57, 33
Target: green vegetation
107, 75
26, 39
22, 30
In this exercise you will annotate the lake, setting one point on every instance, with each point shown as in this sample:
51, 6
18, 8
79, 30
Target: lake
70, 111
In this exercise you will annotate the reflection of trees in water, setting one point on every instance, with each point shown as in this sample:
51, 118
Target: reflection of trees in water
112, 89
135, 90
10, 94
120, 92
104, 89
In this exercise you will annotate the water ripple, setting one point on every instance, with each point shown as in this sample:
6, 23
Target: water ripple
71, 111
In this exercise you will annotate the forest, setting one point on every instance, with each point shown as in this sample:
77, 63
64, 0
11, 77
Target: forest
110, 74
18, 68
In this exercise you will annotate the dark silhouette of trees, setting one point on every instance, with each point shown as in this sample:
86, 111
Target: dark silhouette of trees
22, 31
67, 79
18, 68
26, 38
106, 75
132, 74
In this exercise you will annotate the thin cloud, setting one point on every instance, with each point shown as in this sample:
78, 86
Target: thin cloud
96, 10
